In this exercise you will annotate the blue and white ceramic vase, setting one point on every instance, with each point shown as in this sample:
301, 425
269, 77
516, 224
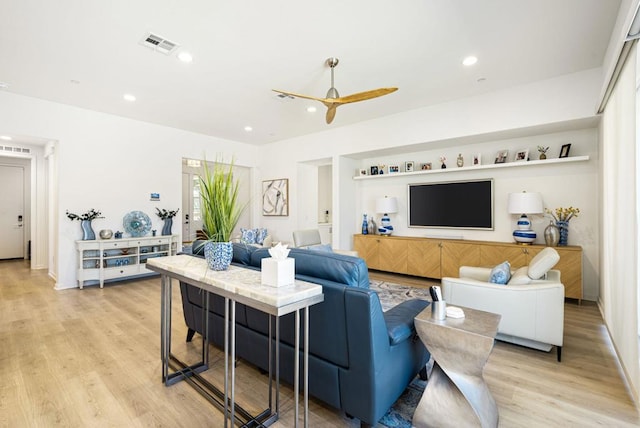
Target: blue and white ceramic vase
218, 255
87, 231
564, 232
166, 228
365, 225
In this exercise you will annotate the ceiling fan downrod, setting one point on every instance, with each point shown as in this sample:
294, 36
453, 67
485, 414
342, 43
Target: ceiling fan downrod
332, 92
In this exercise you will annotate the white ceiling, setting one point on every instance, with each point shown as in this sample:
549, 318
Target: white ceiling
86, 53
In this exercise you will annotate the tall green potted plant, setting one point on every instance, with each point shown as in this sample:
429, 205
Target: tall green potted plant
221, 211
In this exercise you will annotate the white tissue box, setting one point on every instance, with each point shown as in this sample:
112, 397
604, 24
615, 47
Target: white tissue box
278, 273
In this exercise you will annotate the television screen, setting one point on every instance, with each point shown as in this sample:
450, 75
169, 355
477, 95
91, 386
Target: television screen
459, 204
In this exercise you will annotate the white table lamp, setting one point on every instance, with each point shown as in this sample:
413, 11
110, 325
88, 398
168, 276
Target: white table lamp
524, 203
386, 206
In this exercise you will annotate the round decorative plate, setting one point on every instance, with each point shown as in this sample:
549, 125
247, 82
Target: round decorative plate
136, 223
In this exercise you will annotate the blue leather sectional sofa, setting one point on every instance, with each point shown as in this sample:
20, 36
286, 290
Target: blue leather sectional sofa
360, 359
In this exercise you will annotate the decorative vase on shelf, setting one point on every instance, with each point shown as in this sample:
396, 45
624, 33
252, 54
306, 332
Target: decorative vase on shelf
443, 166
551, 235
543, 156
218, 255
460, 161
365, 225
166, 228
87, 231
563, 227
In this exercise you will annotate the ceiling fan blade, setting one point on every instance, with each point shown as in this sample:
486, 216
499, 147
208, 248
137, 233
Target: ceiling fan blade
293, 94
331, 112
362, 96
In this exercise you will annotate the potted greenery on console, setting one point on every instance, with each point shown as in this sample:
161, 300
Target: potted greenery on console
220, 213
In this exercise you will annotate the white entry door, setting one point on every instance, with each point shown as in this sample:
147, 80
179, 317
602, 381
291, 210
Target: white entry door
11, 212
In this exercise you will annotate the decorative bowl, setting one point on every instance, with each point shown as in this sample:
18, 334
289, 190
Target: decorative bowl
106, 233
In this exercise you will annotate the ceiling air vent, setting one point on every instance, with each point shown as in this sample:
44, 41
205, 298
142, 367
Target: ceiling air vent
159, 44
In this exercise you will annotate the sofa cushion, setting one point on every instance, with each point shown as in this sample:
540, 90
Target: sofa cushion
320, 247
543, 262
520, 277
501, 273
334, 267
242, 253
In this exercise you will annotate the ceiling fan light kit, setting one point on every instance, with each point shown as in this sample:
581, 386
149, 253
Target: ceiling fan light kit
333, 98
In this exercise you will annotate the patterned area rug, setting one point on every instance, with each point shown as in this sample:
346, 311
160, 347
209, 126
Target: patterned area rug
392, 294
401, 413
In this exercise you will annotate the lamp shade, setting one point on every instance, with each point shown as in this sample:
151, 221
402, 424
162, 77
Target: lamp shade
387, 205
525, 203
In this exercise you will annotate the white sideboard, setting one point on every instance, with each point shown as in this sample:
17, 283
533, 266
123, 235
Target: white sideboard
112, 259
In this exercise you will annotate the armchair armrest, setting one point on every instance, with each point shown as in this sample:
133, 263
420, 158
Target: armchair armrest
477, 273
399, 319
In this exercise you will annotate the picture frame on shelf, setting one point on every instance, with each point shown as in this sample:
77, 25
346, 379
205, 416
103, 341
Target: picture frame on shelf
374, 169
408, 166
501, 156
521, 155
564, 150
425, 166
394, 169
477, 159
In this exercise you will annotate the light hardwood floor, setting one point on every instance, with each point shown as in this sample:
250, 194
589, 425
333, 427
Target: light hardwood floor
91, 357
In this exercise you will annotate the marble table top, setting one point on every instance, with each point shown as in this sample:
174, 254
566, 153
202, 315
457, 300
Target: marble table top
239, 284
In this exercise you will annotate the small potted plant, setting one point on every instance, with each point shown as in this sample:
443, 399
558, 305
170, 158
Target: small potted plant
221, 212
167, 216
85, 222
543, 152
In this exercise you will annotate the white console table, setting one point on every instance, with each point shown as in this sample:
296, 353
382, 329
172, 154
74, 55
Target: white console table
104, 259
243, 286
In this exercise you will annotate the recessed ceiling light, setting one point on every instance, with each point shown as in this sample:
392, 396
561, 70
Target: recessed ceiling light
248, 128
185, 57
470, 60
312, 109
5, 137
129, 97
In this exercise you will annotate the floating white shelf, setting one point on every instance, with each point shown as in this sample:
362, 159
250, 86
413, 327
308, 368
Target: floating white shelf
477, 167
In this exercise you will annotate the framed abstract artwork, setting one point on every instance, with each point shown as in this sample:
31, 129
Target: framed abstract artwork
275, 197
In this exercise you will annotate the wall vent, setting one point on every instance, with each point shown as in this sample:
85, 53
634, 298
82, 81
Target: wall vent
159, 43
15, 149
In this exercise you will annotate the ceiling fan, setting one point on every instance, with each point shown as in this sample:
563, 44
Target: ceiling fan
333, 99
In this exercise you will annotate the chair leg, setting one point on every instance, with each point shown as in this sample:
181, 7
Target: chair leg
190, 334
559, 353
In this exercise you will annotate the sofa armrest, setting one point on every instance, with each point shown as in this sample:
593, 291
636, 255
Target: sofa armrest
399, 319
477, 273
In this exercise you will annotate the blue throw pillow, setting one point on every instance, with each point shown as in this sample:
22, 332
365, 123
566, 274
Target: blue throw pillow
321, 247
247, 236
261, 234
500, 274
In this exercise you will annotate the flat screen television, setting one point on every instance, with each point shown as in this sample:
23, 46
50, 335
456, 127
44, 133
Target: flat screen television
455, 205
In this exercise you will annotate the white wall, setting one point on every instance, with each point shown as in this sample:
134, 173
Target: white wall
110, 163
424, 134
561, 185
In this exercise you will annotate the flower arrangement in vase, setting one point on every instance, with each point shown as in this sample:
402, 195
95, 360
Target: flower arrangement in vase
167, 216
442, 161
543, 152
562, 216
85, 222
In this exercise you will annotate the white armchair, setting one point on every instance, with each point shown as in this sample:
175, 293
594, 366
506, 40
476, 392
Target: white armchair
310, 238
532, 312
